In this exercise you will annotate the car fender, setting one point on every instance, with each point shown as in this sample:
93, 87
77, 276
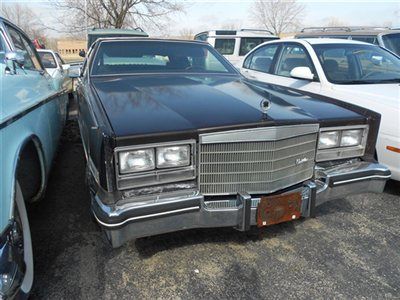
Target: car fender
9, 163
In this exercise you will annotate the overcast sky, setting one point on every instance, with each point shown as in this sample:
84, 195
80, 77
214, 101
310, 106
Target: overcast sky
202, 15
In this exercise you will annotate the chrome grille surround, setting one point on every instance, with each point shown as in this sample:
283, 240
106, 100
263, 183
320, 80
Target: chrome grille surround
257, 160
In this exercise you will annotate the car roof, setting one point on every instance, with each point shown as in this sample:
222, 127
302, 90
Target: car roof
144, 39
224, 33
315, 41
345, 31
116, 31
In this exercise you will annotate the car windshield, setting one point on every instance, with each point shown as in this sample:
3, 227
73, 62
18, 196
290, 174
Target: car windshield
47, 59
126, 57
358, 63
392, 42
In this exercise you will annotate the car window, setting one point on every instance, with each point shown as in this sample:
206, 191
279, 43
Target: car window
292, 56
392, 42
47, 59
201, 37
32, 53
2, 48
23, 45
365, 39
336, 63
249, 43
60, 60
225, 46
261, 59
19, 46
357, 63
122, 57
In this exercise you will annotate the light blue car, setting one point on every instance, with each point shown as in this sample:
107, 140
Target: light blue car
33, 108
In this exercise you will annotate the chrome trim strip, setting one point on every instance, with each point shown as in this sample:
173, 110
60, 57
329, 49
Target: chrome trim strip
187, 209
361, 179
361, 126
258, 134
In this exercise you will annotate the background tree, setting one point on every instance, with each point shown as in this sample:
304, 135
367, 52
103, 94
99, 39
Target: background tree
23, 17
334, 22
186, 34
278, 15
79, 15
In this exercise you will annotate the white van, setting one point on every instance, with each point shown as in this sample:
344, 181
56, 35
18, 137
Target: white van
235, 44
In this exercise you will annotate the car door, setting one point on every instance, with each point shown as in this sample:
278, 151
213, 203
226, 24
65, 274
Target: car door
272, 63
294, 55
33, 87
259, 64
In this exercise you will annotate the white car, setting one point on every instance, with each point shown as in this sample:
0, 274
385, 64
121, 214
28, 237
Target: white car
56, 67
235, 44
359, 73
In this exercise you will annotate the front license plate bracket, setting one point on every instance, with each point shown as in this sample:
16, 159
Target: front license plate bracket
278, 209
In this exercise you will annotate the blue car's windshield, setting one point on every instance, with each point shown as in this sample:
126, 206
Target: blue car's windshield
128, 57
358, 63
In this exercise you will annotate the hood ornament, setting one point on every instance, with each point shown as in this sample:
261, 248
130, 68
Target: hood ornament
265, 105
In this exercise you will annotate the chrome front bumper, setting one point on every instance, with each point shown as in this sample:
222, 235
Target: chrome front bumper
193, 210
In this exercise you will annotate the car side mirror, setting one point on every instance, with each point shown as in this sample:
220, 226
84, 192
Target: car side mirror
74, 72
82, 53
16, 57
302, 73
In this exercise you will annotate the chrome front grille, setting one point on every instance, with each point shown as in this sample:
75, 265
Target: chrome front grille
256, 164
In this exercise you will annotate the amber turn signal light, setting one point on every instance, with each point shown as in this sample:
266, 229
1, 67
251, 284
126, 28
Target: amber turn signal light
394, 149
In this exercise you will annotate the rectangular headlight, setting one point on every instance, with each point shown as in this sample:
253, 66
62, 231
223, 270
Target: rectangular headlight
342, 142
173, 156
328, 139
155, 164
351, 137
136, 161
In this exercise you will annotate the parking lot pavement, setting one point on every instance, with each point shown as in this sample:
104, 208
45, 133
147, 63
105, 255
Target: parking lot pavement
350, 250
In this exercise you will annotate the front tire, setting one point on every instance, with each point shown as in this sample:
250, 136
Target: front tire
21, 217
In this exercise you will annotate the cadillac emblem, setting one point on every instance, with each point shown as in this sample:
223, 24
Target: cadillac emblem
265, 105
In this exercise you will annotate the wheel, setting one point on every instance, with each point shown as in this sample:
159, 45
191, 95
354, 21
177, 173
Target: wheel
23, 233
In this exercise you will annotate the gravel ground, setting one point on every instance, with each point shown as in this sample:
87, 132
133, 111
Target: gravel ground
350, 250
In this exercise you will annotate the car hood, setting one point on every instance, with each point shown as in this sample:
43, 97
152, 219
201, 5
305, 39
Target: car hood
148, 104
387, 94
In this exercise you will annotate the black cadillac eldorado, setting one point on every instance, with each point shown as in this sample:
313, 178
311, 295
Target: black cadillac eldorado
175, 138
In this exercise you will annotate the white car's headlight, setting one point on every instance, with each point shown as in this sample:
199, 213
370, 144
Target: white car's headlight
136, 161
328, 139
351, 138
175, 156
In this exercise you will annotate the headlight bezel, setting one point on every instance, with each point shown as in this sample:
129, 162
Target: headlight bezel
339, 151
157, 175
